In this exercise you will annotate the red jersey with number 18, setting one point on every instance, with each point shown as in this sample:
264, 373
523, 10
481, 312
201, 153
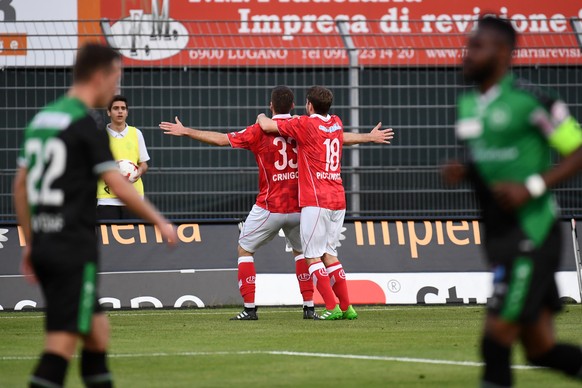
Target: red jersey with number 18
276, 157
319, 142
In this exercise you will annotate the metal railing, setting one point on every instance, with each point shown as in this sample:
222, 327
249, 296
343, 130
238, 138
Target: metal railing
410, 88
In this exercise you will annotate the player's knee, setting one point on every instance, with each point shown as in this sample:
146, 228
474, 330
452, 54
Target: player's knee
312, 260
536, 348
98, 339
61, 343
329, 260
243, 252
503, 332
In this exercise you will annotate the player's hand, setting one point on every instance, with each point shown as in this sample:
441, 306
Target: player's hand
381, 136
26, 266
259, 116
174, 129
137, 177
168, 232
510, 195
453, 172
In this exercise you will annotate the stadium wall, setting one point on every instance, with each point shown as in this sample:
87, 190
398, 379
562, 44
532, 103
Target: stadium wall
387, 262
216, 75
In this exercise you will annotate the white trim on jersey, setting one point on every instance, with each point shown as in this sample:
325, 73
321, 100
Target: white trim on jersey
281, 116
268, 182
312, 181
326, 118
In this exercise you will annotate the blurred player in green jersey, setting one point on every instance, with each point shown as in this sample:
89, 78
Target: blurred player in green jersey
64, 153
509, 127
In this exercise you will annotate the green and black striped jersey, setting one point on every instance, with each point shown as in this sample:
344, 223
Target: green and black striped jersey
64, 153
509, 132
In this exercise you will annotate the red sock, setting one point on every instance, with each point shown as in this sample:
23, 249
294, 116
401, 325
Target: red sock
321, 280
337, 279
304, 279
246, 280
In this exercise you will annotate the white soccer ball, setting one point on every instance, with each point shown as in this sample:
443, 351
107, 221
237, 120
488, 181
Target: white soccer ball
128, 169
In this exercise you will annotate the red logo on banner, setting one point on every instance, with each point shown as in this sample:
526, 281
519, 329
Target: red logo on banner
361, 292
306, 33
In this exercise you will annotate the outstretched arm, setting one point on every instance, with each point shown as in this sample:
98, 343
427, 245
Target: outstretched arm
566, 138
23, 217
512, 195
377, 135
21, 203
267, 125
454, 172
567, 168
208, 137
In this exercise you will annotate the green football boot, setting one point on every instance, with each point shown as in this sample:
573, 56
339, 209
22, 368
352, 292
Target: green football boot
350, 313
330, 315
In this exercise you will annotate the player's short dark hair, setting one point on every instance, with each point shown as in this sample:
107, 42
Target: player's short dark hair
501, 26
117, 97
91, 58
282, 99
321, 98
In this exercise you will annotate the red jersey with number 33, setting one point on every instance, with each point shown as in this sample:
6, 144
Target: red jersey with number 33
276, 158
319, 142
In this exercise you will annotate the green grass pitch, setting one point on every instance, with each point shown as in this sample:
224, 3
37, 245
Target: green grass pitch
388, 346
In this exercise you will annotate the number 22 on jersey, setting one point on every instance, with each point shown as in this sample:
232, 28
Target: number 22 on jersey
49, 164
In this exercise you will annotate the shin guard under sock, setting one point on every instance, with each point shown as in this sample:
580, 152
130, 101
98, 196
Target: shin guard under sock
321, 280
50, 371
246, 280
497, 363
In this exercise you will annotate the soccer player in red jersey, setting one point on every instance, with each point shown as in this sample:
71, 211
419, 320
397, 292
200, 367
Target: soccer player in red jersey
320, 139
277, 205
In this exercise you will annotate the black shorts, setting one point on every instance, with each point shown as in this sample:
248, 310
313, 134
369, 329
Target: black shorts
111, 213
524, 280
69, 288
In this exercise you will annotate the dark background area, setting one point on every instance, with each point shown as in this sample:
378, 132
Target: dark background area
191, 180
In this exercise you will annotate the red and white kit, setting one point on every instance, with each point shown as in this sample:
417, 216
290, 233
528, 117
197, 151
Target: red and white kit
276, 207
321, 193
321, 198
